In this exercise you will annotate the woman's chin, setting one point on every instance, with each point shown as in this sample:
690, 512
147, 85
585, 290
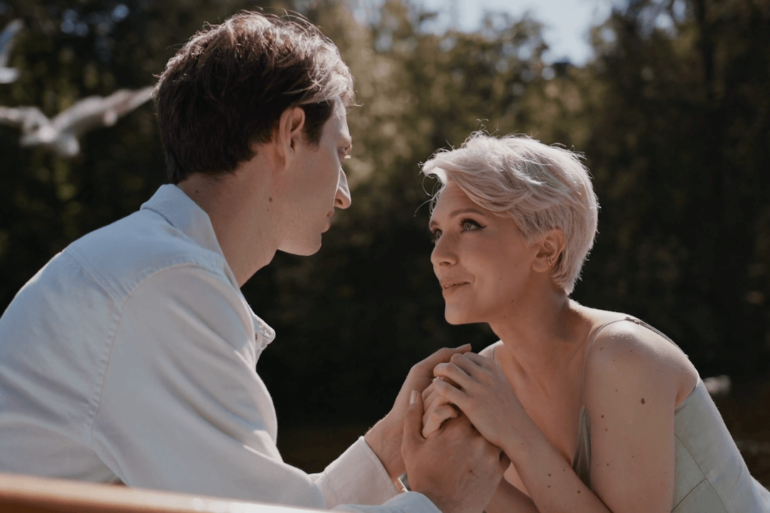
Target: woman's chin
456, 317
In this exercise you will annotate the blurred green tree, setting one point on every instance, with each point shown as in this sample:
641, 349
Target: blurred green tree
672, 116
679, 148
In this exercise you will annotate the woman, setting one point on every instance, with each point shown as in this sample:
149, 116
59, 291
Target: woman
596, 410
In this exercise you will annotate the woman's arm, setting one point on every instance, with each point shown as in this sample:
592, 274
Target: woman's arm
509, 499
633, 380
632, 441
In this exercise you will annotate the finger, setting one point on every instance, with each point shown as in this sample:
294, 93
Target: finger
426, 394
470, 367
412, 423
452, 394
433, 419
442, 355
451, 372
481, 361
437, 418
434, 399
430, 399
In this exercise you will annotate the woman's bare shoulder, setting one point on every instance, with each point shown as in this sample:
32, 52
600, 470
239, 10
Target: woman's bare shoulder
628, 353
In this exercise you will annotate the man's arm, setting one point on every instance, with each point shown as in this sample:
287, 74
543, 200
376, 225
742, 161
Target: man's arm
181, 407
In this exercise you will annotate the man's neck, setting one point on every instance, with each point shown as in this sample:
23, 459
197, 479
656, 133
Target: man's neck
239, 207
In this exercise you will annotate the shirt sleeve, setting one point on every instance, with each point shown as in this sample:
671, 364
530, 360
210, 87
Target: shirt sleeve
181, 407
359, 477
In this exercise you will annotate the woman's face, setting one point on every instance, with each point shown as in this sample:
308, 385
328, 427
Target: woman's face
481, 260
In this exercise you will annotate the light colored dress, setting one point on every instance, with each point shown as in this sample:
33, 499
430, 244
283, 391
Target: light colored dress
710, 475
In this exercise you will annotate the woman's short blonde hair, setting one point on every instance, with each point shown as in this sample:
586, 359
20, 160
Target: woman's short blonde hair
540, 187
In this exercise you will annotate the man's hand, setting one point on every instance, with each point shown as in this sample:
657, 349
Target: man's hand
455, 468
385, 437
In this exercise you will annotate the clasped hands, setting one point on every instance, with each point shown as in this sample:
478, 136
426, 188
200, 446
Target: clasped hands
473, 385
454, 466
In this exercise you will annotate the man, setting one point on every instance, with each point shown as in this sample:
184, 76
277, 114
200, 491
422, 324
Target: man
131, 355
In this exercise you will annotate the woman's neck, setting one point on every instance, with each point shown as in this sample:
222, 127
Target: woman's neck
542, 336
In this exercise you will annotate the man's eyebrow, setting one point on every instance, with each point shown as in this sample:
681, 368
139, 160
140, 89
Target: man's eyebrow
459, 211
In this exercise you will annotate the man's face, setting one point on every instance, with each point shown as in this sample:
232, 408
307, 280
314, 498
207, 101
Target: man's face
316, 185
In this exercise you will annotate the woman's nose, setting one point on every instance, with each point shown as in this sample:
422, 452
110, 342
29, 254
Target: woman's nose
443, 252
343, 199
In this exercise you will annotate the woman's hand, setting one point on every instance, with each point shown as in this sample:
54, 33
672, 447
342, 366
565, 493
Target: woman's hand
484, 395
437, 411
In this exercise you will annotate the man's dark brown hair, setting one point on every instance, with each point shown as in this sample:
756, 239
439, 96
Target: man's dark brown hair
226, 89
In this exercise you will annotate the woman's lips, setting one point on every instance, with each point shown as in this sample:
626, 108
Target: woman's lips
450, 289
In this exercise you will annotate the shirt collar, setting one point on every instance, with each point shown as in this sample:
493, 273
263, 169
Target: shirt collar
183, 213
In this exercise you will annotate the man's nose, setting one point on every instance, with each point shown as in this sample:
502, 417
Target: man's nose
342, 199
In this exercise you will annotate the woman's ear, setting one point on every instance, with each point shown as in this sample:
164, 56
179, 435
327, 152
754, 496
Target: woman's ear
551, 247
289, 133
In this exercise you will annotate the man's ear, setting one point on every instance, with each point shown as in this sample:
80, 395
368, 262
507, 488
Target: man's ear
288, 134
550, 248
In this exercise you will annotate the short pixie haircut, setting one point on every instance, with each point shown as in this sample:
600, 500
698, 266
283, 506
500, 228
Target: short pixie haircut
225, 90
540, 187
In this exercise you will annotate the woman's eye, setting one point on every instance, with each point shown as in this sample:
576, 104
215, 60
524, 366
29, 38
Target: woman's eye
469, 225
435, 235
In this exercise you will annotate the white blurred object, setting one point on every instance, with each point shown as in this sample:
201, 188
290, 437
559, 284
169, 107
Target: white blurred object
60, 135
7, 40
718, 386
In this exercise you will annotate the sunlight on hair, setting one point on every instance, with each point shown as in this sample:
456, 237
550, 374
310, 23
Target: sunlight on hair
540, 187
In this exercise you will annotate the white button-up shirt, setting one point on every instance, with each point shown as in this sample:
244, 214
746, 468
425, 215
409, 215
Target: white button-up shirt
131, 356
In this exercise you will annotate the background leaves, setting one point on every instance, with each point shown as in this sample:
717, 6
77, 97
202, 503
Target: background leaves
673, 116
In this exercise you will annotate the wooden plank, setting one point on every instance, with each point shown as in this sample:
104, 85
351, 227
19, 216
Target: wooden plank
28, 494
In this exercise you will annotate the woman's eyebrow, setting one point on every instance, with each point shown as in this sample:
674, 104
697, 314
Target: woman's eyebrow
467, 210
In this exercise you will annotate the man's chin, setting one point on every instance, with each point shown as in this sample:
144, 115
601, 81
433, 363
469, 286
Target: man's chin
305, 249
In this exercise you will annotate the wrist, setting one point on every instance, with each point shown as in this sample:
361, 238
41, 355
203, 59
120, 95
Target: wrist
521, 443
384, 439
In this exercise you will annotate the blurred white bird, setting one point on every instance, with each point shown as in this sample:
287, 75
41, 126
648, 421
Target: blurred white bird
60, 135
718, 386
7, 40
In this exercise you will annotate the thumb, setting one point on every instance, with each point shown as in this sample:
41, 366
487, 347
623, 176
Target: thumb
413, 423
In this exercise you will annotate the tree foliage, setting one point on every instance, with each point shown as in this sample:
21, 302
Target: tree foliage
672, 116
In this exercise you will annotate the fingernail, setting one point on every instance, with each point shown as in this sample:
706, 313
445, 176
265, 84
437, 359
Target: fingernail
412, 397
